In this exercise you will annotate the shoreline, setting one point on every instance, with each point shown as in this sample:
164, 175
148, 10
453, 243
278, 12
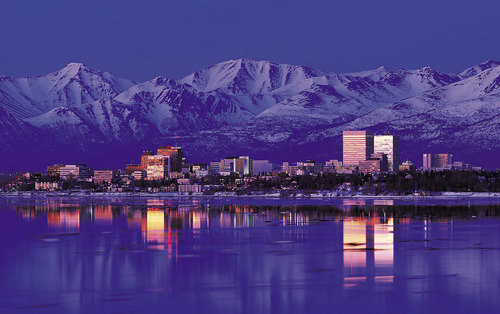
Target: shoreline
277, 196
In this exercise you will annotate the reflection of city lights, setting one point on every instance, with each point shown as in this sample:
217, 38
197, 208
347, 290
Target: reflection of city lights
383, 202
154, 229
155, 203
354, 243
348, 203
134, 220
384, 243
69, 219
102, 214
368, 249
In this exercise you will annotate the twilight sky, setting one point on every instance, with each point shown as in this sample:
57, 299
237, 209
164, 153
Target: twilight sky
142, 39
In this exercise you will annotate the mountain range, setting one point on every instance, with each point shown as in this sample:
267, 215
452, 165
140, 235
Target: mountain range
246, 107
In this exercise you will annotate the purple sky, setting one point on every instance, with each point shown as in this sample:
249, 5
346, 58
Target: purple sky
142, 39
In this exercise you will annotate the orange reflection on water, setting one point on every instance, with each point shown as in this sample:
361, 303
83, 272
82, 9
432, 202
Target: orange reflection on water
153, 227
69, 219
355, 243
368, 249
384, 243
102, 214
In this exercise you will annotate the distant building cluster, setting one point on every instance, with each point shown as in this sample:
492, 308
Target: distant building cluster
363, 152
368, 153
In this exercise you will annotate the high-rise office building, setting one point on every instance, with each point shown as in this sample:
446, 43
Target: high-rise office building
144, 159
357, 146
437, 161
158, 167
242, 165
176, 155
389, 145
427, 161
441, 161
131, 168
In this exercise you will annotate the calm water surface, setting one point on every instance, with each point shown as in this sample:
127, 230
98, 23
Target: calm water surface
195, 256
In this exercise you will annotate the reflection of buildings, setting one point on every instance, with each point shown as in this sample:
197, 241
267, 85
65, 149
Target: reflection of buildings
153, 227
348, 204
383, 202
157, 224
102, 214
368, 250
69, 219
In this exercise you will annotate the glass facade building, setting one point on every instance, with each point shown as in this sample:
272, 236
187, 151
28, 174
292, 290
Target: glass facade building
357, 146
389, 145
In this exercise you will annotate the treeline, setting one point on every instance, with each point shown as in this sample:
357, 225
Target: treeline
401, 182
395, 183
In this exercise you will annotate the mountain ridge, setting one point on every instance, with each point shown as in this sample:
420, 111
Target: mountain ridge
248, 106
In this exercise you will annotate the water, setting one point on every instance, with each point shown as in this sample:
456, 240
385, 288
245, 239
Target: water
199, 256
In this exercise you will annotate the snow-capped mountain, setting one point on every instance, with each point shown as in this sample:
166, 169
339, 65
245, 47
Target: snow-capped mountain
258, 108
488, 64
71, 86
157, 107
255, 85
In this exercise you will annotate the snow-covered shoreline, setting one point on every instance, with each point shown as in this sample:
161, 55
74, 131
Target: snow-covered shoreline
264, 195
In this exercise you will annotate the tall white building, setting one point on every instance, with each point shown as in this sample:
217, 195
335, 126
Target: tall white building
389, 145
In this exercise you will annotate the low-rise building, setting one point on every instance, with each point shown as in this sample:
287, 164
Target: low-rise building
77, 171
139, 175
176, 175
185, 181
106, 176
190, 188
48, 186
407, 166
377, 162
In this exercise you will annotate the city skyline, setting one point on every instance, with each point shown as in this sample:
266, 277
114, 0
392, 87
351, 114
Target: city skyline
249, 156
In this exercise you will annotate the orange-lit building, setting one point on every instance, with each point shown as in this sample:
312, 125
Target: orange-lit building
176, 155
53, 171
131, 168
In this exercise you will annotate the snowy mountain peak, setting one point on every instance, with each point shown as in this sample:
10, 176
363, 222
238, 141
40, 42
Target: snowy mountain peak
73, 65
73, 85
74, 69
488, 64
247, 76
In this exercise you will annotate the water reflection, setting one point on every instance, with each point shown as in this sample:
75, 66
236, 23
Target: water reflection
193, 256
368, 250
